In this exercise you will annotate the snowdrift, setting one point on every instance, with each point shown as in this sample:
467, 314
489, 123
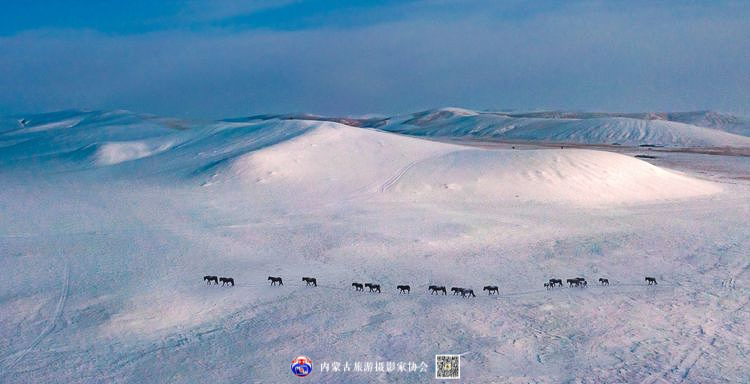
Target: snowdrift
118, 152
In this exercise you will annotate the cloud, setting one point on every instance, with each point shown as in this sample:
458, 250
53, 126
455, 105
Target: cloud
213, 10
586, 56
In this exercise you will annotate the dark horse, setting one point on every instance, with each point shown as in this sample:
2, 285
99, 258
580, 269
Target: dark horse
553, 282
275, 280
403, 288
491, 288
358, 286
603, 281
456, 290
209, 279
310, 281
373, 287
467, 293
548, 286
226, 280
434, 289
577, 282
651, 280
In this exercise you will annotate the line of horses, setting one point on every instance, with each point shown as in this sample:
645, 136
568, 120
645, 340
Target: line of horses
216, 280
433, 289
574, 282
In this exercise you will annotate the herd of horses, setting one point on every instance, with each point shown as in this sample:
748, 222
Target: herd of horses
216, 280
578, 282
433, 289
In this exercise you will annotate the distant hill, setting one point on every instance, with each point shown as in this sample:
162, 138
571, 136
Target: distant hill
697, 129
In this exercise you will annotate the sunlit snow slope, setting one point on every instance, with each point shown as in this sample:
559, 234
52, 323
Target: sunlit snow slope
335, 157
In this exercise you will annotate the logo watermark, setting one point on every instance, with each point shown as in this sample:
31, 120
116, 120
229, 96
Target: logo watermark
301, 366
373, 366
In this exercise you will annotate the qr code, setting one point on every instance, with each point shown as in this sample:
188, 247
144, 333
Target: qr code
447, 366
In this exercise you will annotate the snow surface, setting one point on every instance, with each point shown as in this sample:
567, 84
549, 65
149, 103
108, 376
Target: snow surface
104, 260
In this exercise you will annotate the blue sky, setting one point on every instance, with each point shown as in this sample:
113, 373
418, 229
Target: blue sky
211, 59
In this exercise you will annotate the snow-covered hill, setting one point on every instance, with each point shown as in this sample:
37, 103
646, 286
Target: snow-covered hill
101, 137
710, 119
333, 160
343, 160
579, 128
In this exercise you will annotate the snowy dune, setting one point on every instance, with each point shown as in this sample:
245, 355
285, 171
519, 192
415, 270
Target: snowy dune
110, 220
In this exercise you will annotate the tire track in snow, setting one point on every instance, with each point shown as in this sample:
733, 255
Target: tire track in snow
384, 186
50, 327
388, 184
395, 178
